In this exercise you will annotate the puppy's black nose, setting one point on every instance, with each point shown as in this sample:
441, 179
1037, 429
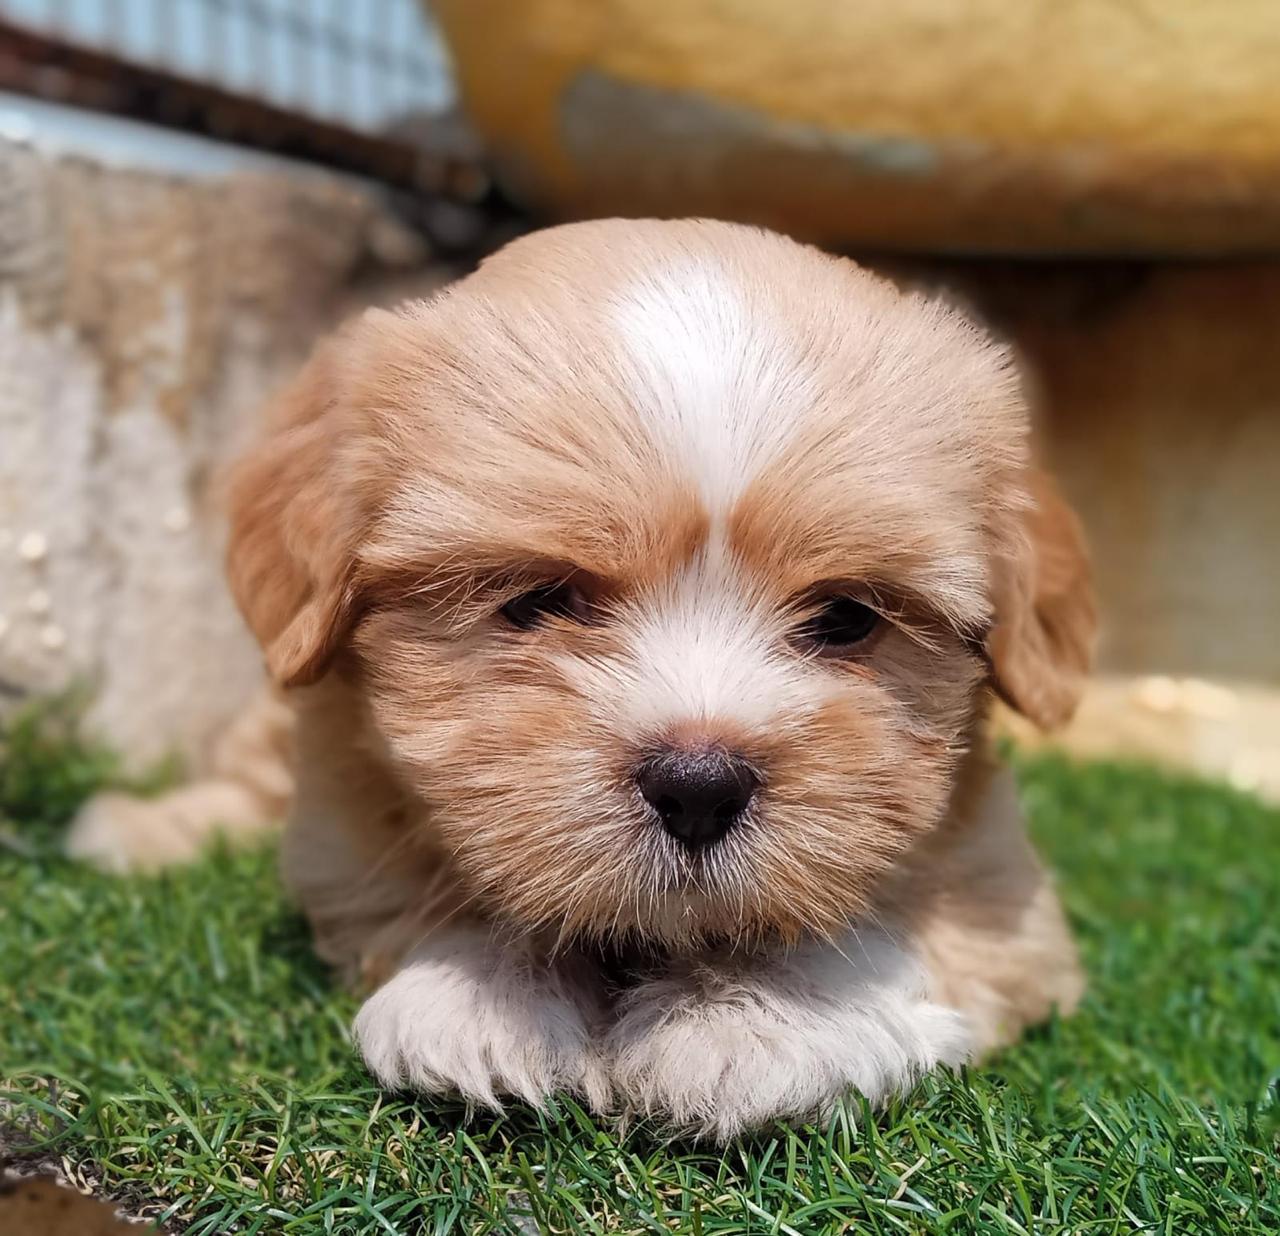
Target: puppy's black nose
698, 793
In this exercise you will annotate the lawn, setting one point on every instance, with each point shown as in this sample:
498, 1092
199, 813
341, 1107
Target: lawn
173, 1039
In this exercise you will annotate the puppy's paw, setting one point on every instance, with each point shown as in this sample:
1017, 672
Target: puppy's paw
722, 1055
120, 833
464, 1016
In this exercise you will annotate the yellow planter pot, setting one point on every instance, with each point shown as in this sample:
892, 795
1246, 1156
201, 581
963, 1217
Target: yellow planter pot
944, 125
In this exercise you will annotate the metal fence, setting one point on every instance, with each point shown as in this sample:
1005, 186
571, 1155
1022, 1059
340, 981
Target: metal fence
348, 83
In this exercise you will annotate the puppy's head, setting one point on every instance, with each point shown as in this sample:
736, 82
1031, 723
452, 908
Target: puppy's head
674, 560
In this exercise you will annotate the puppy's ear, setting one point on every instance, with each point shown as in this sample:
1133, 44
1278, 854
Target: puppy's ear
290, 555
1041, 644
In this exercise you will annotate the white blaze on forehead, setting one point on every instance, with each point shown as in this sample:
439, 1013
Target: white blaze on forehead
713, 373
720, 384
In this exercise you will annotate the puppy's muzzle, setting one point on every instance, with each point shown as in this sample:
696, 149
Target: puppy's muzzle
698, 793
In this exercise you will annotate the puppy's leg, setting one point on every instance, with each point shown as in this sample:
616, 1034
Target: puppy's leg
731, 1044
470, 1015
245, 790
457, 1011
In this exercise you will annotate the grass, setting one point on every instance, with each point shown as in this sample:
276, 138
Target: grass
174, 1037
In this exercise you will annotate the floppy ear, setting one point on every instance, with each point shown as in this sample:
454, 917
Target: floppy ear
290, 555
1041, 644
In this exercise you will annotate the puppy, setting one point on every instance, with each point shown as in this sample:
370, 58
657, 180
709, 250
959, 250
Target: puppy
640, 599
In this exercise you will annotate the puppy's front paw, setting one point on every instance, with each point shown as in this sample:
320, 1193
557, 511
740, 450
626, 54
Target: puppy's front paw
721, 1054
464, 1016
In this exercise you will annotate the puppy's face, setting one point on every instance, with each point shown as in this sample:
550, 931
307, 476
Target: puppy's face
668, 556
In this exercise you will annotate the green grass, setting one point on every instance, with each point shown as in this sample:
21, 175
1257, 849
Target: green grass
175, 1035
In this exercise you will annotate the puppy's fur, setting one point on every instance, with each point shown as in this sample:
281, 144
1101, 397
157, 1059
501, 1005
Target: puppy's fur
702, 428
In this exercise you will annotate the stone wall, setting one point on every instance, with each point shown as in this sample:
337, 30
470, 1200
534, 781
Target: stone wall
143, 317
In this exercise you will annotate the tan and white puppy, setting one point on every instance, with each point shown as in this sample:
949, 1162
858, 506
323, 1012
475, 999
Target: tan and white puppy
640, 599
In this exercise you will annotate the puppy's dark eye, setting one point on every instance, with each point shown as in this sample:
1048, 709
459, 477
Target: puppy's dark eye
840, 624
530, 608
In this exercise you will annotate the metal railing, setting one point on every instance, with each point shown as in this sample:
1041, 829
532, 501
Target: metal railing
352, 84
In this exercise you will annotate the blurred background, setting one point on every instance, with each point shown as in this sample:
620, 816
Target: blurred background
191, 191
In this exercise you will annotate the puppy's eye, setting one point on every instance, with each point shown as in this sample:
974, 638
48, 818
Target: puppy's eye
561, 600
840, 625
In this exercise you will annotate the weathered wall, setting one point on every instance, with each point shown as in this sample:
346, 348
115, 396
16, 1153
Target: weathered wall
142, 319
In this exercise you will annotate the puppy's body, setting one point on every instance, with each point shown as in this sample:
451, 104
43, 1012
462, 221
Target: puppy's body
964, 946
644, 593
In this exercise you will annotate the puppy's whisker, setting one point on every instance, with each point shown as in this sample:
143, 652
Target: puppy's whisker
438, 924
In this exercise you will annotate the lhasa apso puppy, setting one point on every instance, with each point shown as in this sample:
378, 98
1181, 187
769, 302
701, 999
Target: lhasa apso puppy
640, 599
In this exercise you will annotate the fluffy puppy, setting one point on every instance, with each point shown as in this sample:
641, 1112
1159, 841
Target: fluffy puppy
640, 598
